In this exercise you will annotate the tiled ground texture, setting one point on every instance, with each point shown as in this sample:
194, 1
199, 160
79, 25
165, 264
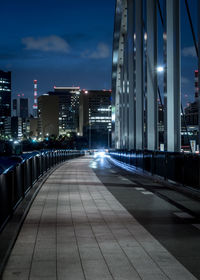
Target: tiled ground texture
76, 229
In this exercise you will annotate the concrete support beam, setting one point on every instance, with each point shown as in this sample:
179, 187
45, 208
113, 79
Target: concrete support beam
152, 110
139, 75
173, 76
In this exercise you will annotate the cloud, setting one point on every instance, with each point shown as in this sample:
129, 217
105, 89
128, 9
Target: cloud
189, 51
46, 44
102, 51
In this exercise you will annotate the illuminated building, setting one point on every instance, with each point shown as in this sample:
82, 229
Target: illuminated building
14, 128
191, 111
5, 99
68, 109
35, 105
95, 117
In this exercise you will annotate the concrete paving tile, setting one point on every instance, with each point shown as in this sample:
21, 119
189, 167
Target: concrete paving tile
23, 249
27, 238
19, 262
90, 253
42, 269
97, 270
87, 241
141, 260
126, 243
66, 259
43, 254
72, 272
120, 267
16, 274
46, 245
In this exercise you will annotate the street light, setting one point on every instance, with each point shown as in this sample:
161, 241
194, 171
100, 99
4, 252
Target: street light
160, 69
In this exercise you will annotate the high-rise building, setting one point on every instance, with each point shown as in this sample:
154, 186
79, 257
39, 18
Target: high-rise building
95, 117
14, 128
5, 99
191, 111
68, 108
48, 113
20, 107
35, 105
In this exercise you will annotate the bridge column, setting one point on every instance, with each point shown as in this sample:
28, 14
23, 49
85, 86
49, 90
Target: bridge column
139, 75
152, 103
131, 73
173, 76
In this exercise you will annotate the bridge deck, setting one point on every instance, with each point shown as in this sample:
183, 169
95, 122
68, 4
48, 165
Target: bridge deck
76, 229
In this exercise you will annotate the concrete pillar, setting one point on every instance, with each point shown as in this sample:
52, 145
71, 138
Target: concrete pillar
152, 110
173, 76
139, 75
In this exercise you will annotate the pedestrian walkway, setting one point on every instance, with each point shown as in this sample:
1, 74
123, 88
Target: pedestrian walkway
76, 229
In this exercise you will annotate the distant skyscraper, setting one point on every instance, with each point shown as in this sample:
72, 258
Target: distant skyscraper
14, 128
48, 115
20, 107
5, 99
35, 105
95, 117
68, 108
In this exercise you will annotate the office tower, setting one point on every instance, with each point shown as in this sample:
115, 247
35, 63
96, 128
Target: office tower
35, 105
14, 128
5, 99
95, 117
68, 109
20, 107
48, 113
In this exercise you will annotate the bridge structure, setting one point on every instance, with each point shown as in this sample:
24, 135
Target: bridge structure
72, 215
136, 92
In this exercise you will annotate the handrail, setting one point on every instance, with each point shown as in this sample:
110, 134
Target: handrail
17, 180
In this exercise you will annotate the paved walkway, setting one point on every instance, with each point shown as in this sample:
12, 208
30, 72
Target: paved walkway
76, 229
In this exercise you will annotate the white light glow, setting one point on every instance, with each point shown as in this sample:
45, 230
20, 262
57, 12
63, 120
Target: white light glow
160, 69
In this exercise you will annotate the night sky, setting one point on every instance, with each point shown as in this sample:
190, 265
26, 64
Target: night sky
65, 43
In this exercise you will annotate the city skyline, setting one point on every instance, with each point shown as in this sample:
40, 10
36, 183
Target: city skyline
69, 43
63, 43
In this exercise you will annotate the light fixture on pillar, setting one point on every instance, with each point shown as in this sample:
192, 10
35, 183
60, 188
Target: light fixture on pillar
160, 69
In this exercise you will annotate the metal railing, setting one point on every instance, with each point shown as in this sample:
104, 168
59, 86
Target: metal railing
178, 167
17, 181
